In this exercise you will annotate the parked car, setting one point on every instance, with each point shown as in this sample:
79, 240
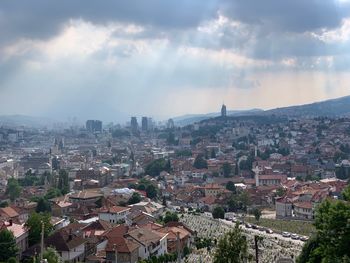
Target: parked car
261, 228
304, 238
269, 231
248, 225
254, 226
294, 236
285, 234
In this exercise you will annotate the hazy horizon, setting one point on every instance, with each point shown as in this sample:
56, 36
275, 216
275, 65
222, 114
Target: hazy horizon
167, 59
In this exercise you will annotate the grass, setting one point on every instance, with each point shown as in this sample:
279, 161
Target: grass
298, 227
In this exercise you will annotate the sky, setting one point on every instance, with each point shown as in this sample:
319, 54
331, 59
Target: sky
114, 59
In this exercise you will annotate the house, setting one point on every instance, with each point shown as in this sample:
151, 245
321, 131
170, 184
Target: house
303, 210
152, 242
127, 250
61, 208
113, 214
178, 234
20, 233
9, 213
85, 197
284, 207
150, 207
69, 245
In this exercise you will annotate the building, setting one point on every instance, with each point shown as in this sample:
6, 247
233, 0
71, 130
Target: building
170, 124
223, 110
94, 126
303, 210
152, 242
284, 207
134, 124
70, 246
144, 124
114, 214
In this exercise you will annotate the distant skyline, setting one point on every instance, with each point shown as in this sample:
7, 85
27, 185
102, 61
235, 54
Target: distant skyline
163, 59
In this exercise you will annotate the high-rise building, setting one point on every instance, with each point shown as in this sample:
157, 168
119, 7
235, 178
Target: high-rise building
144, 123
94, 126
134, 125
170, 124
223, 111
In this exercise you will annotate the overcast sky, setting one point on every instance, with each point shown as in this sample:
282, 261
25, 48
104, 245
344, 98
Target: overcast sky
112, 59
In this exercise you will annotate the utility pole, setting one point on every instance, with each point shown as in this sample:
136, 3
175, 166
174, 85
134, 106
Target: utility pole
256, 241
42, 242
115, 253
178, 247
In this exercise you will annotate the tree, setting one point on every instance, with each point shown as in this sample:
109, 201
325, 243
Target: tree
200, 162
4, 204
170, 217
52, 193
8, 247
231, 187
346, 193
151, 191
155, 167
43, 205
218, 212
332, 238
232, 247
280, 191
63, 182
51, 255
34, 224
135, 198
257, 213
226, 169
13, 189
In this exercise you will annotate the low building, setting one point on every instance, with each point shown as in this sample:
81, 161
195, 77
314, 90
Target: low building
114, 214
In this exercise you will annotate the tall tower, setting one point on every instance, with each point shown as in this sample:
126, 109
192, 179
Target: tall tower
223, 110
144, 123
134, 125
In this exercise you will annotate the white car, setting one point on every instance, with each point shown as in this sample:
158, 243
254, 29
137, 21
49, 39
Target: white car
285, 234
294, 236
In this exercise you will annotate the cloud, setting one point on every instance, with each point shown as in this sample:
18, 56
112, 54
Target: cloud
135, 56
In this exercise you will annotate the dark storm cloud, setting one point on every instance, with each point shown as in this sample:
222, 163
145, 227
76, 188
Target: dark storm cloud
43, 18
288, 15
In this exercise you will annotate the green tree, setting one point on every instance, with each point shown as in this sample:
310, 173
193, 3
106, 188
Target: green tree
218, 212
34, 224
346, 193
13, 189
257, 213
226, 169
63, 181
155, 167
52, 193
200, 162
4, 204
332, 238
135, 198
43, 205
151, 191
170, 217
51, 255
231, 187
232, 247
8, 247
